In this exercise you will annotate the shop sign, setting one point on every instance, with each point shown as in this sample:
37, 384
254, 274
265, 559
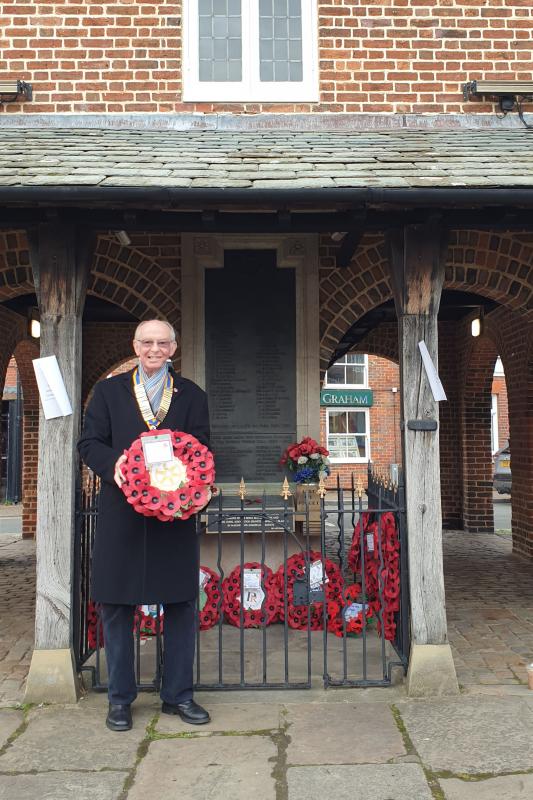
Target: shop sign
347, 397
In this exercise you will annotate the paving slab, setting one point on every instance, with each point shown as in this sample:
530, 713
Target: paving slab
236, 767
505, 787
364, 782
489, 736
246, 717
63, 786
73, 738
10, 719
356, 734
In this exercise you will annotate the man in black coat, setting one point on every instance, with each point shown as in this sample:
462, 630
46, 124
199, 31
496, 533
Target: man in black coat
139, 560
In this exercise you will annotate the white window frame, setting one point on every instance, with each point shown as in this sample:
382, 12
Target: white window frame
355, 460
363, 385
250, 89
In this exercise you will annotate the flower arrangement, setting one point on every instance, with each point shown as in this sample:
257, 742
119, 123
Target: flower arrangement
307, 460
176, 490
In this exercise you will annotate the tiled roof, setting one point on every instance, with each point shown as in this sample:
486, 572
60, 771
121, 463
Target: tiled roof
266, 159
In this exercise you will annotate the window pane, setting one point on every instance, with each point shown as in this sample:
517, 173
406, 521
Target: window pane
296, 72
355, 375
336, 374
295, 51
279, 22
267, 71
295, 8
356, 421
361, 446
355, 358
280, 51
337, 421
220, 40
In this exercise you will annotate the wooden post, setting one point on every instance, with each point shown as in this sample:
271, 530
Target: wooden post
417, 258
60, 261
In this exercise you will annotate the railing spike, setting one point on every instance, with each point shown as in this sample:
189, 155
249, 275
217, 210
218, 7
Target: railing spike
359, 487
242, 489
285, 490
321, 491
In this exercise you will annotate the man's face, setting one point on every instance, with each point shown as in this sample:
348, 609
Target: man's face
153, 346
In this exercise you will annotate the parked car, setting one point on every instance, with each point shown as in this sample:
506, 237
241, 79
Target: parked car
502, 470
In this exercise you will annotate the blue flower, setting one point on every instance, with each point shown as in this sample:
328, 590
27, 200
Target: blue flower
305, 475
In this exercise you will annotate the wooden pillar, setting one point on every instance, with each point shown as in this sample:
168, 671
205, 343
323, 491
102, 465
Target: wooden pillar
417, 257
60, 261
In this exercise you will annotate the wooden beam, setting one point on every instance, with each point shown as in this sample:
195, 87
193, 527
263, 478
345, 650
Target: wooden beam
417, 255
60, 258
417, 260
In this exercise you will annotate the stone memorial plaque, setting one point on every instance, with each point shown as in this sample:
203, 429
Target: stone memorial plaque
250, 321
275, 516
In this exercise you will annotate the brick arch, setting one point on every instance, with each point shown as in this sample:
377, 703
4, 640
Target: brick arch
381, 341
25, 351
494, 265
346, 295
105, 345
498, 266
135, 282
15, 270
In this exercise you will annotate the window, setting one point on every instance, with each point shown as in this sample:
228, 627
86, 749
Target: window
351, 370
348, 434
250, 50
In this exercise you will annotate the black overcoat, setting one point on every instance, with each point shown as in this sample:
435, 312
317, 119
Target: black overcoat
138, 559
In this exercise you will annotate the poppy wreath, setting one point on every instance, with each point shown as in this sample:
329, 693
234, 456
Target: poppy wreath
210, 599
388, 576
94, 625
299, 617
251, 618
192, 470
354, 624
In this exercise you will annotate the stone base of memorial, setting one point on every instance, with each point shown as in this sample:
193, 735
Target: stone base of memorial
307, 506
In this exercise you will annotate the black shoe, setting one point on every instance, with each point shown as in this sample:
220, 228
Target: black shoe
119, 718
189, 711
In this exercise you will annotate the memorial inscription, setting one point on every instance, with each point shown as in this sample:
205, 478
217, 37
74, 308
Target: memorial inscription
250, 323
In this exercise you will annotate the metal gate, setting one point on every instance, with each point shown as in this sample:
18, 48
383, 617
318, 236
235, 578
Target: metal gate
295, 591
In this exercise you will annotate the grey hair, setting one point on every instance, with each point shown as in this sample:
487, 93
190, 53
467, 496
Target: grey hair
146, 321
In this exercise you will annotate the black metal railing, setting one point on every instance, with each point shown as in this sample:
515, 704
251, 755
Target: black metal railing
293, 590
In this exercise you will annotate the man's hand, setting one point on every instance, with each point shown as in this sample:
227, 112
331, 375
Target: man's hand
119, 477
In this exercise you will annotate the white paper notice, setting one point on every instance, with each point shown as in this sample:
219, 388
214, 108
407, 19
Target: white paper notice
433, 376
52, 390
157, 449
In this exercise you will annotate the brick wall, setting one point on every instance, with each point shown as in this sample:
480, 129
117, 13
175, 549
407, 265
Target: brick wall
385, 444
25, 351
499, 388
375, 56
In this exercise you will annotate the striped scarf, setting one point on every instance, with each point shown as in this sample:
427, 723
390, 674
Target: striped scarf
154, 385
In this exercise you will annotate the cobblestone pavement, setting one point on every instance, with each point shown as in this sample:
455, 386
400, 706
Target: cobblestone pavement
489, 593
489, 600
17, 606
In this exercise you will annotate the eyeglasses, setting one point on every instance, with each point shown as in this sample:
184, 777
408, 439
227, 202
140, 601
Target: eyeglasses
147, 344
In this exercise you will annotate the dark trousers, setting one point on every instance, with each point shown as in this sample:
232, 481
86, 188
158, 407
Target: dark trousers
178, 652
